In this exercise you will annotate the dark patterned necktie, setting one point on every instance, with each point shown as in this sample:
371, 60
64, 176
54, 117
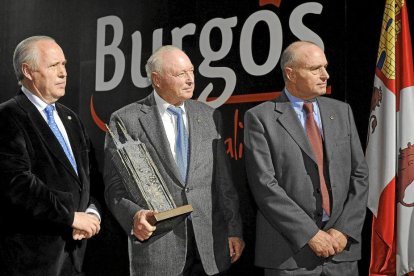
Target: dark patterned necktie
53, 126
315, 140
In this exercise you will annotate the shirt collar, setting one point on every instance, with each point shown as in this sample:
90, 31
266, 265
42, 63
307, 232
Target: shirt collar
38, 102
163, 105
297, 103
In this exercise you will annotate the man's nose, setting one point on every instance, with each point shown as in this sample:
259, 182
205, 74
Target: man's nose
324, 73
62, 71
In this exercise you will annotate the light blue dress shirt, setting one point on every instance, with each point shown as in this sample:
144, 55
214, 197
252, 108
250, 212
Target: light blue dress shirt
297, 105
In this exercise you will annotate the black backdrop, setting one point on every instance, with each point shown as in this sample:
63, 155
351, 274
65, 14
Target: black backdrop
232, 45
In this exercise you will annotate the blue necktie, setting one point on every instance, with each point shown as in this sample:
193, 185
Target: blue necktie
53, 126
181, 142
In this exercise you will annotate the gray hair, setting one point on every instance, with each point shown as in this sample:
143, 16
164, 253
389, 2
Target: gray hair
288, 57
25, 52
154, 63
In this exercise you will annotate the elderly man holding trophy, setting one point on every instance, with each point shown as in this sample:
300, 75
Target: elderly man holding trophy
167, 177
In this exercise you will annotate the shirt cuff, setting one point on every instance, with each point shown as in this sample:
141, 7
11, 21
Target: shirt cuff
93, 212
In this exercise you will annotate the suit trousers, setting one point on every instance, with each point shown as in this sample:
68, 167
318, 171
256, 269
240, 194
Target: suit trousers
327, 269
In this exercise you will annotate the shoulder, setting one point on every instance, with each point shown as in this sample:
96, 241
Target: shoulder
11, 115
261, 109
332, 102
142, 106
200, 106
8, 105
127, 109
203, 110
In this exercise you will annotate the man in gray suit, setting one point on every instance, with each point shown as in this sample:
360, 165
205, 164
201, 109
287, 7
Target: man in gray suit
211, 239
307, 173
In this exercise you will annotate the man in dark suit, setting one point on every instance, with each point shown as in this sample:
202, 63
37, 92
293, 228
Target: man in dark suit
307, 172
209, 241
45, 208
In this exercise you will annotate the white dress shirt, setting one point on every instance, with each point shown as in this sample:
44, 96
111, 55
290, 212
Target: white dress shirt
41, 105
170, 121
297, 105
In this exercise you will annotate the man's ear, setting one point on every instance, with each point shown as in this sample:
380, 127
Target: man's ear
155, 78
27, 71
290, 74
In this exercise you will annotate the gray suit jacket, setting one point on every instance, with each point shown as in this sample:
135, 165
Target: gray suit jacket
284, 180
209, 189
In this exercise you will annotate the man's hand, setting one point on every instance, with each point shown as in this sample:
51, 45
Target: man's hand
340, 238
79, 234
142, 229
236, 246
85, 226
323, 244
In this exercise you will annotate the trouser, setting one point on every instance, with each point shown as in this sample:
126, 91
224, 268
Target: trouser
326, 269
193, 265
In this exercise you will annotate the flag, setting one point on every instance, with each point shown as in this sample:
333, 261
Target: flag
390, 148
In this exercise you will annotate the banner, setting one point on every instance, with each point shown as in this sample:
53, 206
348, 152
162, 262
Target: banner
390, 148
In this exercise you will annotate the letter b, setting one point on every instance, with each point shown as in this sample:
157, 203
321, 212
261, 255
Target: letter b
112, 49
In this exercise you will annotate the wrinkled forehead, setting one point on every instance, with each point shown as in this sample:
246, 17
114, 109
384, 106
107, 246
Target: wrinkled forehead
310, 55
175, 60
49, 48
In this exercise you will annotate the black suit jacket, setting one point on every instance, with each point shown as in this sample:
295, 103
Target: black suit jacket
40, 191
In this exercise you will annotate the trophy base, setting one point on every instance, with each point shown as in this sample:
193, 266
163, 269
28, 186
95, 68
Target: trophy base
167, 220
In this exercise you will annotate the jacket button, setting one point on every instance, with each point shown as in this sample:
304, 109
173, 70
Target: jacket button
318, 190
187, 190
319, 214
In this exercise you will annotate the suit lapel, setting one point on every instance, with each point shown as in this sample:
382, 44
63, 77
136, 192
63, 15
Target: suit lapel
71, 131
195, 136
154, 128
45, 132
289, 120
328, 124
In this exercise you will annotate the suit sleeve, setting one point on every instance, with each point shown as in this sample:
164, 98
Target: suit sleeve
228, 193
20, 187
352, 218
96, 183
281, 211
116, 196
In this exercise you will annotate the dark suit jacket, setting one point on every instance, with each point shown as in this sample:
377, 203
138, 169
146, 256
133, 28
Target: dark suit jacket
284, 180
209, 189
40, 190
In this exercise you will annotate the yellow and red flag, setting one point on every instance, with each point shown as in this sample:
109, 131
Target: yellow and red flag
390, 148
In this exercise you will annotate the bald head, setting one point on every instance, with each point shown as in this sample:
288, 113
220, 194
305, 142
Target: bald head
293, 52
304, 67
155, 62
172, 74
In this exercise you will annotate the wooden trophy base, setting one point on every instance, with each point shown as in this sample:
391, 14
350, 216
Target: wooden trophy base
167, 220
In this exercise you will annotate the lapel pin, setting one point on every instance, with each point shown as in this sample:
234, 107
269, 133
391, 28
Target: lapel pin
69, 117
332, 117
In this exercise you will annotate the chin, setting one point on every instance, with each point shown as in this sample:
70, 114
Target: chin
188, 95
61, 93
